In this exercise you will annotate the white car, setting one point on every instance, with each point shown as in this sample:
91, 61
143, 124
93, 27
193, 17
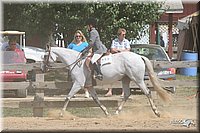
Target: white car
35, 54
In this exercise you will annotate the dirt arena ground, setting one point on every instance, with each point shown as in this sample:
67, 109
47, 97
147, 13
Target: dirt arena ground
136, 116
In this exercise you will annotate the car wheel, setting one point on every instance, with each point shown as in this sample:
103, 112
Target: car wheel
30, 61
22, 93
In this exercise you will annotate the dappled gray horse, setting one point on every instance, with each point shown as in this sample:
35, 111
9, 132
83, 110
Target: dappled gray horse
124, 66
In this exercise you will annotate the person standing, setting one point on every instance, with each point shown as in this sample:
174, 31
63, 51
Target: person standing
97, 46
79, 43
120, 44
162, 43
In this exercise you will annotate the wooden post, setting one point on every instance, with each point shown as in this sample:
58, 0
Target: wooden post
152, 34
39, 97
170, 52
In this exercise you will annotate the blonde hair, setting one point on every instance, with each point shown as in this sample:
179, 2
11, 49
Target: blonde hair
81, 33
120, 30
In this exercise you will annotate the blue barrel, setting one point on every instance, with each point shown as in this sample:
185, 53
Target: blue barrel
189, 56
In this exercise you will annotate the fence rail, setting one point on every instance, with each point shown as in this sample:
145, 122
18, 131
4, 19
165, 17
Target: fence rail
38, 104
68, 84
156, 64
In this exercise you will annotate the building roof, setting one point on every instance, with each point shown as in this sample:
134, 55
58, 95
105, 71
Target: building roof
173, 6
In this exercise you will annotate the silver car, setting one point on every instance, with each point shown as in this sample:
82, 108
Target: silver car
156, 52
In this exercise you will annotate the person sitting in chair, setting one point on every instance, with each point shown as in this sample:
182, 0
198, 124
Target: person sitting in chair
11, 45
14, 46
97, 46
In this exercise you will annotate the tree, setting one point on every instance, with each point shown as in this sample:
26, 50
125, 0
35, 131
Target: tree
41, 18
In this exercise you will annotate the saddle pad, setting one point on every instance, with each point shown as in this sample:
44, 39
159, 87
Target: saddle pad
106, 60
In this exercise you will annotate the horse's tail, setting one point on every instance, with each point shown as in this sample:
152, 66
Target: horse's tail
153, 77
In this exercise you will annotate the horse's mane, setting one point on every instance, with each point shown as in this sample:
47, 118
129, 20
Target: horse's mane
65, 53
61, 50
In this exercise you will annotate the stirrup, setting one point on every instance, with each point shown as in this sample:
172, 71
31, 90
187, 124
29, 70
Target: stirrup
99, 76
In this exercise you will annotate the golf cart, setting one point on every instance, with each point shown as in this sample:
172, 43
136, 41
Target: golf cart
13, 57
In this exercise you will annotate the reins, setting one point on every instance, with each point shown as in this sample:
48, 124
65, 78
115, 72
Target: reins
46, 62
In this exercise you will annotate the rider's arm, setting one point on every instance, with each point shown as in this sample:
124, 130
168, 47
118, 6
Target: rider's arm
113, 48
93, 36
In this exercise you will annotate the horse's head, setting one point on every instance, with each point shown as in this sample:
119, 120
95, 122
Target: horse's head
46, 58
65, 55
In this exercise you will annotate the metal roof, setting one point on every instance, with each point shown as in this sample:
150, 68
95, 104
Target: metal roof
173, 6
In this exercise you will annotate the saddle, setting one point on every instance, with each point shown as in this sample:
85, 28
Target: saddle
103, 60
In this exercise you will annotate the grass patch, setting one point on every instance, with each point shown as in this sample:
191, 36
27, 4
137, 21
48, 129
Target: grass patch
183, 77
89, 112
19, 112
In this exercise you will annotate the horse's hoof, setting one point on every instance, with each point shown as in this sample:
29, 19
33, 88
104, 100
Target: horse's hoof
108, 115
157, 114
61, 114
117, 112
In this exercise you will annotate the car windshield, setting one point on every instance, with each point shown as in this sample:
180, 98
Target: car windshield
150, 53
11, 57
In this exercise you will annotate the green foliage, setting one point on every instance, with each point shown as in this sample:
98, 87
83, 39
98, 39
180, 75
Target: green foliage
40, 18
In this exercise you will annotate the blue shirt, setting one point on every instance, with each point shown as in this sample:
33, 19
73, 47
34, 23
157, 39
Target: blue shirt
76, 47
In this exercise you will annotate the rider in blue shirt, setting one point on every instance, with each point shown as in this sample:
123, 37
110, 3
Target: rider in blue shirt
79, 47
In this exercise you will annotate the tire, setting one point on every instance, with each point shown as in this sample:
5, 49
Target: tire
22, 93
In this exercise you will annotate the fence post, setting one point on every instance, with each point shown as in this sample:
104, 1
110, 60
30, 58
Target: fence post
39, 97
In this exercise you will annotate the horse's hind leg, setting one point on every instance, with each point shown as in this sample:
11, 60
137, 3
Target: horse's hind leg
148, 94
127, 93
93, 93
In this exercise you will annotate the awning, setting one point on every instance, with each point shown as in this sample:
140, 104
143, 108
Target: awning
184, 22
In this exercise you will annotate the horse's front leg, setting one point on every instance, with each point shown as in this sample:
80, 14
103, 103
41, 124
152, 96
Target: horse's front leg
127, 93
93, 93
75, 88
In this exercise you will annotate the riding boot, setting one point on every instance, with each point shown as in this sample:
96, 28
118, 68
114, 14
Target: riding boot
98, 70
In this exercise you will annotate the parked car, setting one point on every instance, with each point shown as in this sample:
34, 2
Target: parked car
156, 52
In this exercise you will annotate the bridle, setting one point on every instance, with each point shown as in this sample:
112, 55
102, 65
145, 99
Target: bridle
46, 64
